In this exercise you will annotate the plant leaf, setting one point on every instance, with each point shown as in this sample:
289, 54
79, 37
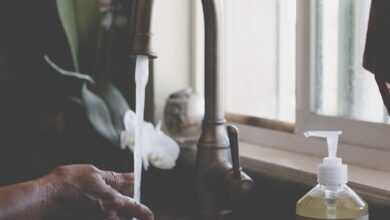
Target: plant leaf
75, 75
116, 104
66, 11
99, 115
105, 106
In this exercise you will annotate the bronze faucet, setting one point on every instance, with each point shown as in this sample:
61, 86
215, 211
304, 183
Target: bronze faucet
219, 176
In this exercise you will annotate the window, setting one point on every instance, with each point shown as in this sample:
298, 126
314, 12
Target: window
260, 63
300, 62
335, 92
342, 88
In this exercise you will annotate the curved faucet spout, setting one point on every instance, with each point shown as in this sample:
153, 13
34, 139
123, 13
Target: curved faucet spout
141, 34
213, 21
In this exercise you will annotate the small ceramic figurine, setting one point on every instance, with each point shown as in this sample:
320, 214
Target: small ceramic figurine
183, 115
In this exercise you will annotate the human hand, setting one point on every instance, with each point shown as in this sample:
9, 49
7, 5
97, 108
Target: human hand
85, 192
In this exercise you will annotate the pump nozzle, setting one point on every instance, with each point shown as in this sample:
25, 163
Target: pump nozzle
332, 138
331, 171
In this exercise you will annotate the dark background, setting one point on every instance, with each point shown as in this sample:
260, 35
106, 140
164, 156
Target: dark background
40, 127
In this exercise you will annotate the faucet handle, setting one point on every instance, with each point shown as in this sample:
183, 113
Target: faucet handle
234, 148
240, 186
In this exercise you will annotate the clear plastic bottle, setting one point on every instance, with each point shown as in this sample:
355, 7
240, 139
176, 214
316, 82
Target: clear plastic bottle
339, 202
331, 198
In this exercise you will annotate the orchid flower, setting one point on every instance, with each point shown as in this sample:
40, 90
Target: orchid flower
158, 149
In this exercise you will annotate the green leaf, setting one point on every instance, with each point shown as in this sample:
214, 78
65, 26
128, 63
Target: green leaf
66, 11
105, 105
99, 115
81, 21
66, 73
116, 104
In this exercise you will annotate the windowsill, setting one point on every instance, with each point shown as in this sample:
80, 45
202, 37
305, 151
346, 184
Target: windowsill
373, 185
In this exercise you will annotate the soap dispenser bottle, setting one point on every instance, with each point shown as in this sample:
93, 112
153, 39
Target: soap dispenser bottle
331, 198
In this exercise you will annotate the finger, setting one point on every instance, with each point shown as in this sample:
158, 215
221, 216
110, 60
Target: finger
130, 208
120, 182
125, 206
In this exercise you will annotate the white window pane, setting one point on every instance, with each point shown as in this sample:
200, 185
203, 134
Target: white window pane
260, 64
342, 87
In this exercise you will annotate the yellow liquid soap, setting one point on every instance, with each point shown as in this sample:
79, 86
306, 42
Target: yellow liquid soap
323, 203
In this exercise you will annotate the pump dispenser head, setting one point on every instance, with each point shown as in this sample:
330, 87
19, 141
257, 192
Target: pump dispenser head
332, 171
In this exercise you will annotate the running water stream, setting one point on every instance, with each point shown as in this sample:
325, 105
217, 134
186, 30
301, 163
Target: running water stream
141, 80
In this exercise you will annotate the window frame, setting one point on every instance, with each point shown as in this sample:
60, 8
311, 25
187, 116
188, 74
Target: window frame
285, 136
375, 134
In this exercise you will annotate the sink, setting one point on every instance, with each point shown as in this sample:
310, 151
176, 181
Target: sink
175, 203
171, 194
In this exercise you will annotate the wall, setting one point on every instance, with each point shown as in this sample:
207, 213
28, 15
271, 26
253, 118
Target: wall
173, 35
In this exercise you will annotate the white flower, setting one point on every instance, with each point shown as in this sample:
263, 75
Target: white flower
158, 149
